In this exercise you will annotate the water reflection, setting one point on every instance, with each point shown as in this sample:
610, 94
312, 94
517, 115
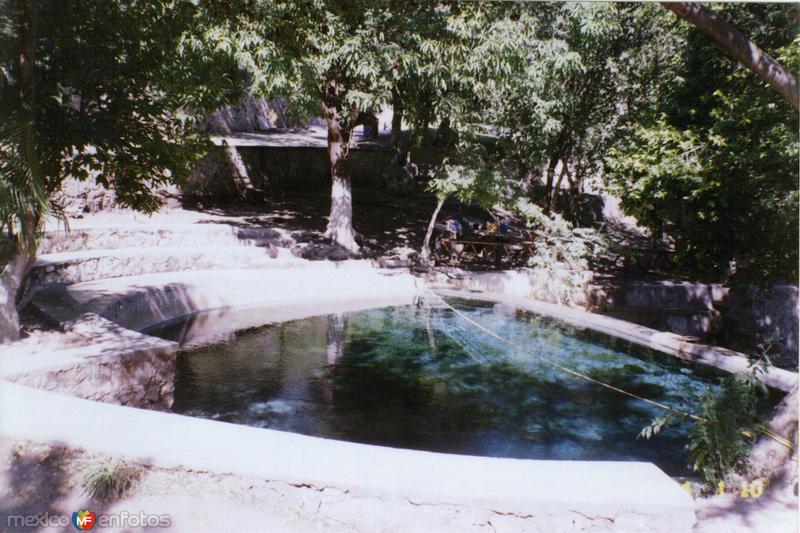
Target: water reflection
423, 379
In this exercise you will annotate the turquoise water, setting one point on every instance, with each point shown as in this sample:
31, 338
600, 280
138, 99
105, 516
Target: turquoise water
425, 379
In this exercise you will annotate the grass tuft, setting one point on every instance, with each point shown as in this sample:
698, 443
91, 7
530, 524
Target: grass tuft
108, 479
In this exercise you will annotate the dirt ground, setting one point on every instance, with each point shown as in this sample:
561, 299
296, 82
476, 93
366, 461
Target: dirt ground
393, 225
387, 225
37, 479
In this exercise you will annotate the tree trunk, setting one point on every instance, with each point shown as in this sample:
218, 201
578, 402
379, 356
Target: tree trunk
554, 193
340, 224
372, 126
425, 253
444, 133
397, 129
548, 187
12, 278
744, 50
27, 50
12, 274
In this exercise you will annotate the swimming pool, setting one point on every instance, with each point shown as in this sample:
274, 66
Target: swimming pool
424, 378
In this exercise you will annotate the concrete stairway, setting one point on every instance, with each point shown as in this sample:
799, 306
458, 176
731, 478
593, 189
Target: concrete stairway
92, 254
174, 235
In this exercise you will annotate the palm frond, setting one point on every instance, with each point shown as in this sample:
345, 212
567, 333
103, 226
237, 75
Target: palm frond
24, 198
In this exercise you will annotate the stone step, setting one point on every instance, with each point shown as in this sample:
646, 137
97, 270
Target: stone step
176, 235
90, 265
140, 301
258, 233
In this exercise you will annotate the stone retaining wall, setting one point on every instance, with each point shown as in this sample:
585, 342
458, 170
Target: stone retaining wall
739, 318
521, 283
664, 342
136, 379
767, 313
308, 169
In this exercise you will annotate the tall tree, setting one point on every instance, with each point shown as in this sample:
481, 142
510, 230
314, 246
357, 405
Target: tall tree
341, 59
715, 165
102, 89
23, 198
557, 81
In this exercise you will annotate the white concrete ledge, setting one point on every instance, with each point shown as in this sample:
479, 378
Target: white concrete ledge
132, 235
668, 343
111, 312
138, 302
609, 496
89, 265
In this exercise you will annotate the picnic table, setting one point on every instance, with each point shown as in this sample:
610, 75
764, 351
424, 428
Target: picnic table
486, 247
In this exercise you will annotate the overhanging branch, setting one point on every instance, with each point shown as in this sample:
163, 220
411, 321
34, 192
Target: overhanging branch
744, 50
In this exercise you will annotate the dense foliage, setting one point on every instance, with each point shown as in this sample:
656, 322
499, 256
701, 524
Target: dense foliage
115, 94
101, 90
553, 83
543, 100
342, 61
722, 433
562, 254
721, 437
714, 168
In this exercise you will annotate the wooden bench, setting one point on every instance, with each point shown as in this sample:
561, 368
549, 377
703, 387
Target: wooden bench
485, 250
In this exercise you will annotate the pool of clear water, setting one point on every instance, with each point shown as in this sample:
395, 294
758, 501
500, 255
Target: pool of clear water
425, 379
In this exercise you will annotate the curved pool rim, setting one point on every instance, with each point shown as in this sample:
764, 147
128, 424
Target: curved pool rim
594, 488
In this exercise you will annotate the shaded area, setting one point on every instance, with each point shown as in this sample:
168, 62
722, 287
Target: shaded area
33, 483
386, 225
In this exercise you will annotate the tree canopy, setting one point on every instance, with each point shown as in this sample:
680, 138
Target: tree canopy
108, 91
715, 165
117, 89
541, 97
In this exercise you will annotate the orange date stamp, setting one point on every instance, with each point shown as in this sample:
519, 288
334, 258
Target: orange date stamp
746, 489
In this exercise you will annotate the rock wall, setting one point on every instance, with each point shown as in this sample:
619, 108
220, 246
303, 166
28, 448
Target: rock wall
308, 169
252, 115
145, 380
266, 170
768, 315
680, 307
521, 283
215, 178
737, 318
77, 197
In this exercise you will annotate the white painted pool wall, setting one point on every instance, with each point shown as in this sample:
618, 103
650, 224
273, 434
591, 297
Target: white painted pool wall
450, 491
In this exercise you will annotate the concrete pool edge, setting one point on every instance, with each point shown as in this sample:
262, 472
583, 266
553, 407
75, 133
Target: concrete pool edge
112, 312
664, 342
612, 496
625, 496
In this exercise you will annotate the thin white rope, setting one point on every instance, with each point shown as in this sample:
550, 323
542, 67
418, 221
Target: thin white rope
765, 431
